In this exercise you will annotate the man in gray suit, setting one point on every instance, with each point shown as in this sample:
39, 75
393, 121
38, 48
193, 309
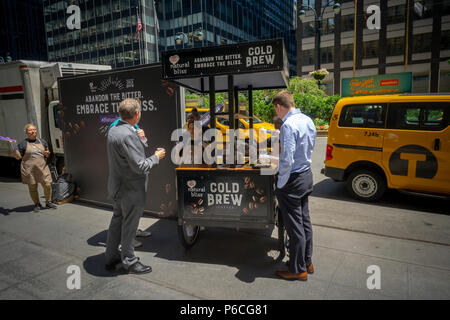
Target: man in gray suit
127, 186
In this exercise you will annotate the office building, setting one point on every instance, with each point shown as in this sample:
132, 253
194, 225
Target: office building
107, 33
225, 22
108, 27
22, 34
426, 37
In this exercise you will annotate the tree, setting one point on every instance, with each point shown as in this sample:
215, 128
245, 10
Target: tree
311, 100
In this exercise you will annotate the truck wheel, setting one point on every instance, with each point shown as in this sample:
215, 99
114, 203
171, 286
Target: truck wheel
366, 185
188, 235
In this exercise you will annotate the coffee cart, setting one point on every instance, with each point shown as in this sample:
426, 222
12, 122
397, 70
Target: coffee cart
219, 195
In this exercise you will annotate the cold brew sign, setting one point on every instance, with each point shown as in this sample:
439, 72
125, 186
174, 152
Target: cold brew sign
219, 195
229, 59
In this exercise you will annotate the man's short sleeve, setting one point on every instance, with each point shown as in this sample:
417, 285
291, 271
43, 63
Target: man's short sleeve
22, 147
44, 143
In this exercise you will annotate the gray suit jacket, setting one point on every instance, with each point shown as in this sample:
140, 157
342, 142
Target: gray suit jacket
128, 166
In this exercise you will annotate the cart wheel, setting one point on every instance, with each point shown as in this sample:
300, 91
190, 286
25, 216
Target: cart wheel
188, 234
283, 239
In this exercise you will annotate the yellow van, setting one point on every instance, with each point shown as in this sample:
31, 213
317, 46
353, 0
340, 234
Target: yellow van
222, 124
391, 141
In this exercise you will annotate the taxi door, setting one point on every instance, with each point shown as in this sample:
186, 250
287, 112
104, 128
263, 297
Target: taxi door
416, 148
359, 136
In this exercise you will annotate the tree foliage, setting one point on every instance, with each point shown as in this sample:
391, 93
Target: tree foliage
308, 97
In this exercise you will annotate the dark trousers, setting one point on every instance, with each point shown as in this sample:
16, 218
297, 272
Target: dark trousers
293, 205
122, 230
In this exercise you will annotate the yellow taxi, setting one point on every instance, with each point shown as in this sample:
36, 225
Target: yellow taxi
390, 141
223, 124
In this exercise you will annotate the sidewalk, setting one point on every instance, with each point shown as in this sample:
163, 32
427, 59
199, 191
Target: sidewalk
37, 248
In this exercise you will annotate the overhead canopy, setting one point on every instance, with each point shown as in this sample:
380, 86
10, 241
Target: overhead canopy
262, 65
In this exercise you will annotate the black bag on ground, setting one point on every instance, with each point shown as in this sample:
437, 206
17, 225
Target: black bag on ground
63, 189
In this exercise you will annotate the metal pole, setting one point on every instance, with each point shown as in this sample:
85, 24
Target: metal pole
156, 23
212, 102
236, 106
230, 102
354, 39
407, 36
318, 34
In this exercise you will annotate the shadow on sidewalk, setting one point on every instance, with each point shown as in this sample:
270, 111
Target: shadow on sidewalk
95, 265
330, 189
252, 252
28, 208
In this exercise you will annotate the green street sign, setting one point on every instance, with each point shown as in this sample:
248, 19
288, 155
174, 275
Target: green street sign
376, 85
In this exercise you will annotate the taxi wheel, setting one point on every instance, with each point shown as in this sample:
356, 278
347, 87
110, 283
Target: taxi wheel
366, 185
188, 235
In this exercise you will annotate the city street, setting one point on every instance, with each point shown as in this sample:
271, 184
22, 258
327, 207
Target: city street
407, 237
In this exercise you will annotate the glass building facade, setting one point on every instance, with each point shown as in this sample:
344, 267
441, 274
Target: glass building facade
107, 34
421, 46
108, 27
22, 34
225, 22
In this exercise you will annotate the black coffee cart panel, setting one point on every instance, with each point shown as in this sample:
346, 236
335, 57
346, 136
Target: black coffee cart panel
231, 197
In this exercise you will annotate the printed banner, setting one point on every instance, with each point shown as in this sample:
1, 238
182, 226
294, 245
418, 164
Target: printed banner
379, 84
90, 104
228, 196
228, 59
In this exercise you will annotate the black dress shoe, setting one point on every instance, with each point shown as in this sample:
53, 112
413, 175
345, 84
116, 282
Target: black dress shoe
112, 265
142, 233
139, 268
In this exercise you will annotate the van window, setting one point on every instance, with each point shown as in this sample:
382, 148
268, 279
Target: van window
363, 116
56, 113
433, 117
418, 116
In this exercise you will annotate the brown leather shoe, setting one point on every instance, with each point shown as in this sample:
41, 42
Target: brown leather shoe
286, 274
309, 269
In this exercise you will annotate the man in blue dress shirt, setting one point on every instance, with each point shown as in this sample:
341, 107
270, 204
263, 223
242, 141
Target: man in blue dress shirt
295, 184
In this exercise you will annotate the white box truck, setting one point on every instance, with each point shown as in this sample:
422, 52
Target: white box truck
29, 94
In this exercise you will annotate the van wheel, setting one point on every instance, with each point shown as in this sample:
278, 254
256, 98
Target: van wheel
366, 185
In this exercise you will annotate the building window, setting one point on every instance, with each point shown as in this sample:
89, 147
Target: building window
371, 49
444, 81
328, 26
308, 57
308, 29
445, 40
423, 9
396, 14
347, 23
422, 43
395, 46
421, 83
327, 54
347, 52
